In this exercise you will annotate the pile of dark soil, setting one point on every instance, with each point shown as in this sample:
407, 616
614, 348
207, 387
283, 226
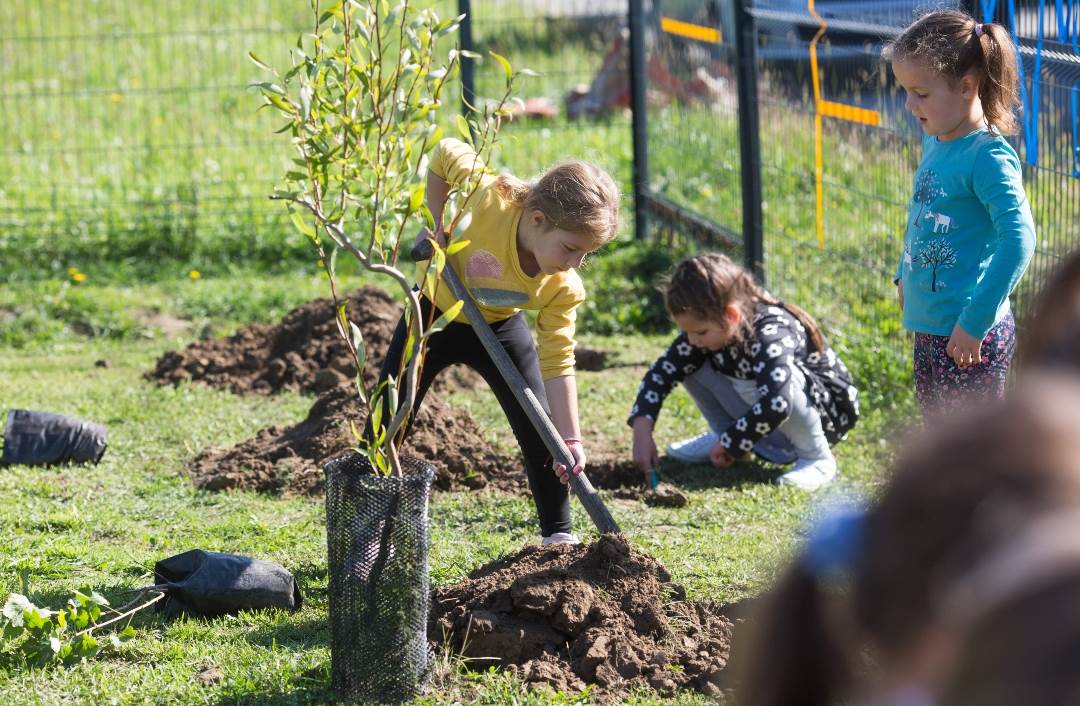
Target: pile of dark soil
305, 352
289, 460
567, 616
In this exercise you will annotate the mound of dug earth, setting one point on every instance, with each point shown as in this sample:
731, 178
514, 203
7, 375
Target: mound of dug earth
304, 352
567, 616
289, 460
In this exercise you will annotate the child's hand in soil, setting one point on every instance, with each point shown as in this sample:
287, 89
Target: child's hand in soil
644, 451
720, 456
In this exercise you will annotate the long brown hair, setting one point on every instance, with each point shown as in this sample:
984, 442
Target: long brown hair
576, 196
952, 500
946, 42
705, 285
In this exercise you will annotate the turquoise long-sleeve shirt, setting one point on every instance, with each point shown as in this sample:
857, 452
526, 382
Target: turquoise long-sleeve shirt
969, 236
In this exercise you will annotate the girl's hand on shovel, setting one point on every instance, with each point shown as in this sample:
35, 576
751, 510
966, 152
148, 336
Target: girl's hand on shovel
578, 452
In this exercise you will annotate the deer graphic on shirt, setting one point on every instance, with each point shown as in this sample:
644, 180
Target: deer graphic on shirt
941, 221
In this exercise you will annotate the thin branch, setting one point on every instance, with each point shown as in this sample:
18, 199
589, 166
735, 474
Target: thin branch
123, 615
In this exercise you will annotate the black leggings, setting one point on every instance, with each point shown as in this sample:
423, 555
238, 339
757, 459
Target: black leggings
458, 343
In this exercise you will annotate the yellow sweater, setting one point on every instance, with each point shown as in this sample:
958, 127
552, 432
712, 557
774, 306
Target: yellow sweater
491, 260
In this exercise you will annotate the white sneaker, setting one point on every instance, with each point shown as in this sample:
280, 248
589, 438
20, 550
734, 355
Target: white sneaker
810, 474
559, 538
693, 450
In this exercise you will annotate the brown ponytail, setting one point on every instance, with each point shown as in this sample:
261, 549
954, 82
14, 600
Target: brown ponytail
999, 87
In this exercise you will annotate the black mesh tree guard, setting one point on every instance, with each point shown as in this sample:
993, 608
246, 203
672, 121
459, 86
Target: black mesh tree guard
377, 537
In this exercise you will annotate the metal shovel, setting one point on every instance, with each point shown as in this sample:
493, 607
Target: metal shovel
583, 489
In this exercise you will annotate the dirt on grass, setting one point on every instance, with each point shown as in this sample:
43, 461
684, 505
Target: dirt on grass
626, 482
566, 616
289, 459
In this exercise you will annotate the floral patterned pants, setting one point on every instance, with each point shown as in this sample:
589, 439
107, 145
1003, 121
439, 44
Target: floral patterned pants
941, 386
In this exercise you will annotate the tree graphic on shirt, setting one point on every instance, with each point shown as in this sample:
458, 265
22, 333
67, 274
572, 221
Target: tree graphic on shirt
937, 254
927, 188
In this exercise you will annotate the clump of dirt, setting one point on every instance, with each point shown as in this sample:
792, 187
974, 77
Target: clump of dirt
289, 460
566, 616
626, 482
304, 352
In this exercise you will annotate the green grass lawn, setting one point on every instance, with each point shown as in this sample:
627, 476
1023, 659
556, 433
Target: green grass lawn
105, 525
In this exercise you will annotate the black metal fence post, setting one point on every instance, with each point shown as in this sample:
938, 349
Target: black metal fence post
749, 140
638, 108
468, 66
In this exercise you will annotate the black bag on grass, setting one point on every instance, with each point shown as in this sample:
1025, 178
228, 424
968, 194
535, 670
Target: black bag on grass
44, 438
378, 541
200, 583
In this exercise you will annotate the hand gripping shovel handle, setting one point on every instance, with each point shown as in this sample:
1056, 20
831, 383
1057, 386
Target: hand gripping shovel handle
584, 490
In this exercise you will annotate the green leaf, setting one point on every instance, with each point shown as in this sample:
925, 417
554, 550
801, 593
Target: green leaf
507, 69
416, 198
301, 225
259, 62
447, 316
85, 645
358, 343
15, 607
267, 86
463, 127
305, 102
127, 633
457, 246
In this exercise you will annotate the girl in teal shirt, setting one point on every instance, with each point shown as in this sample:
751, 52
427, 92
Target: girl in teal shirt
969, 233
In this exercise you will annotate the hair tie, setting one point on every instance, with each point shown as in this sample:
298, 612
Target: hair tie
834, 543
978, 30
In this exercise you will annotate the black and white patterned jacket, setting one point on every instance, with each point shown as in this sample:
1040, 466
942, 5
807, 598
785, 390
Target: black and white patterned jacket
779, 341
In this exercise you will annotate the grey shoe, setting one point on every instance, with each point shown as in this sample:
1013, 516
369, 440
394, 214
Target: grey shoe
693, 450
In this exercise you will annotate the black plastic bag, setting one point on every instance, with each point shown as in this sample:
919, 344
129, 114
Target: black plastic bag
201, 583
44, 438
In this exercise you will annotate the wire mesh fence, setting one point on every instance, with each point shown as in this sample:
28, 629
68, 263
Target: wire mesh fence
129, 136
127, 132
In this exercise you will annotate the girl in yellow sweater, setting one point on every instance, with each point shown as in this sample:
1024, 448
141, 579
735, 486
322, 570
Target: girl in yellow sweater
527, 239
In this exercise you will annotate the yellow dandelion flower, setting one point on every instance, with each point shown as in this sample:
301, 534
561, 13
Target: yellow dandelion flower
194, 274
79, 277
73, 271
116, 97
